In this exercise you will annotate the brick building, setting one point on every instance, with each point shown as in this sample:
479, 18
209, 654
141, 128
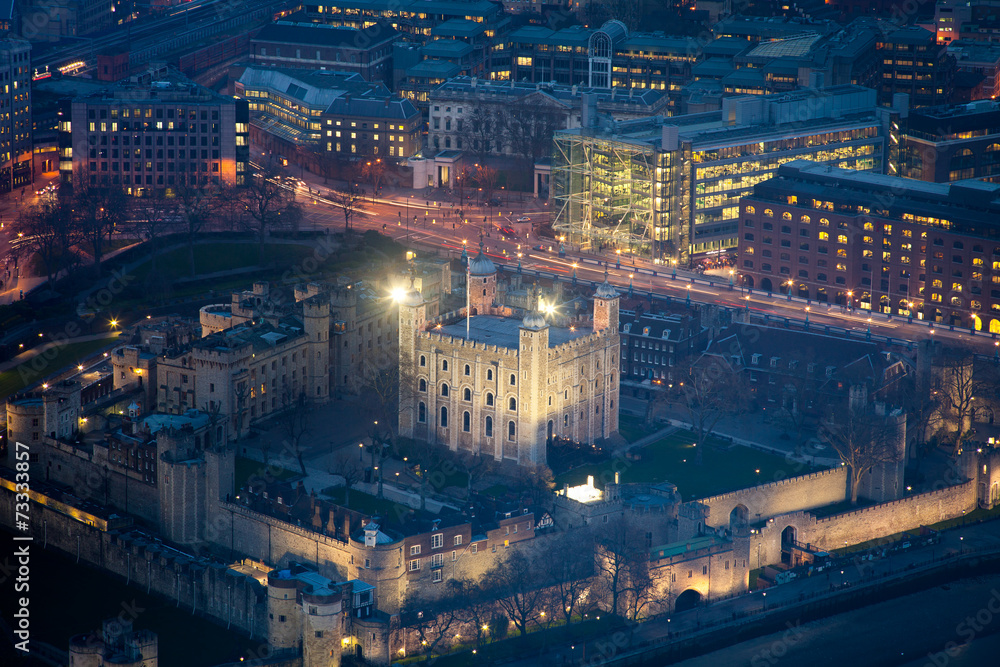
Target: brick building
951, 143
315, 46
153, 133
914, 63
884, 243
15, 114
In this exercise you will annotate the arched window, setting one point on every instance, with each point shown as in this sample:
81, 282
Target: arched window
466, 394
489, 374
805, 220
824, 222
466, 421
750, 210
468, 369
422, 384
511, 430
444, 417
512, 404
444, 389
489, 399
444, 364
423, 360
768, 212
489, 427
786, 216
513, 379
421, 412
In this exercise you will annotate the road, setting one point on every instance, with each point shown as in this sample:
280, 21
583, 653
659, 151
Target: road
426, 223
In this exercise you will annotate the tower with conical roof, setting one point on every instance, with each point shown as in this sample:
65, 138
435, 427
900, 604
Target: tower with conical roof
606, 306
482, 284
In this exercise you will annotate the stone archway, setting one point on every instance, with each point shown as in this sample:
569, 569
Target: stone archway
739, 518
787, 543
689, 599
748, 281
766, 285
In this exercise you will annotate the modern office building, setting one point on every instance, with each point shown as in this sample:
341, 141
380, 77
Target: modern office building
15, 114
914, 63
315, 46
318, 111
154, 132
669, 188
951, 143
416, 18
884, 243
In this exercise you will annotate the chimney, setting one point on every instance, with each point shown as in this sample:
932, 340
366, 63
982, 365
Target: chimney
387, 103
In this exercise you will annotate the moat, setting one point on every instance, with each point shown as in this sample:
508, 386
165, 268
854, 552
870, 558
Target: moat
69, 598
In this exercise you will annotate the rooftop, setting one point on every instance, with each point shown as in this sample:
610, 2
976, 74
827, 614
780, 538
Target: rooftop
505, 331
687, 546
192, 418
320, 34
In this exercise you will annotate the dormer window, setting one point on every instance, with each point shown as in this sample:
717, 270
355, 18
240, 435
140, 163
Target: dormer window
774, 361
829, 371
755, 359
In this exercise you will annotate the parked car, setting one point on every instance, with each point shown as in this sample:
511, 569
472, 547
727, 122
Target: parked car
524, 218
494, 202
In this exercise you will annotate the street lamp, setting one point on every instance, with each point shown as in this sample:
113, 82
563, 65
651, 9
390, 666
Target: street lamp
807, 317
747, 303
688, 301
618, 260
673, 273
731, 280
361, 451
789, 285
850, 300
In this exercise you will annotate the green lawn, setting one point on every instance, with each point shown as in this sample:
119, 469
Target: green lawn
245, 468
672, 459
56, 359
366, 503
633, 428
213, 257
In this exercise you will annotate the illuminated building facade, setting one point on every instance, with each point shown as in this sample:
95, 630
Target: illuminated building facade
15, 113
153, 133
667, 189
951, 143
883, 243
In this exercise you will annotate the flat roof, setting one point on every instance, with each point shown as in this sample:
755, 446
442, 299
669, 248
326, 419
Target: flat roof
505, 331
687, 546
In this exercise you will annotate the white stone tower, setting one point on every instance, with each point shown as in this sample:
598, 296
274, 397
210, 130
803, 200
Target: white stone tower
606, 306
316, 321
321, 619
482, 283
412, 316
533, 374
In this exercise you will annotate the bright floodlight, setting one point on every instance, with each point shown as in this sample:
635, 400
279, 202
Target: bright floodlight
397, 294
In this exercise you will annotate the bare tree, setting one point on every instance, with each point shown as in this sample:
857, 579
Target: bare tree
568, 566
350, 469
537, 483
486, 179
708, 392
961, 387
231, 208
862, 438
621, 562
348, 201
434, 620
151, 218
47, 231
476, 606
481, 131
269, 206
515, 580
373, 171
98, 207
528, 127
196, 207
294, 424
475, 466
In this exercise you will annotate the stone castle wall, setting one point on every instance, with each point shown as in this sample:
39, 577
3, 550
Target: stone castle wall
782, 497
203, 587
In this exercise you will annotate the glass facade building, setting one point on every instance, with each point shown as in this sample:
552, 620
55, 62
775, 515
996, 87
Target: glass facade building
669, 189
